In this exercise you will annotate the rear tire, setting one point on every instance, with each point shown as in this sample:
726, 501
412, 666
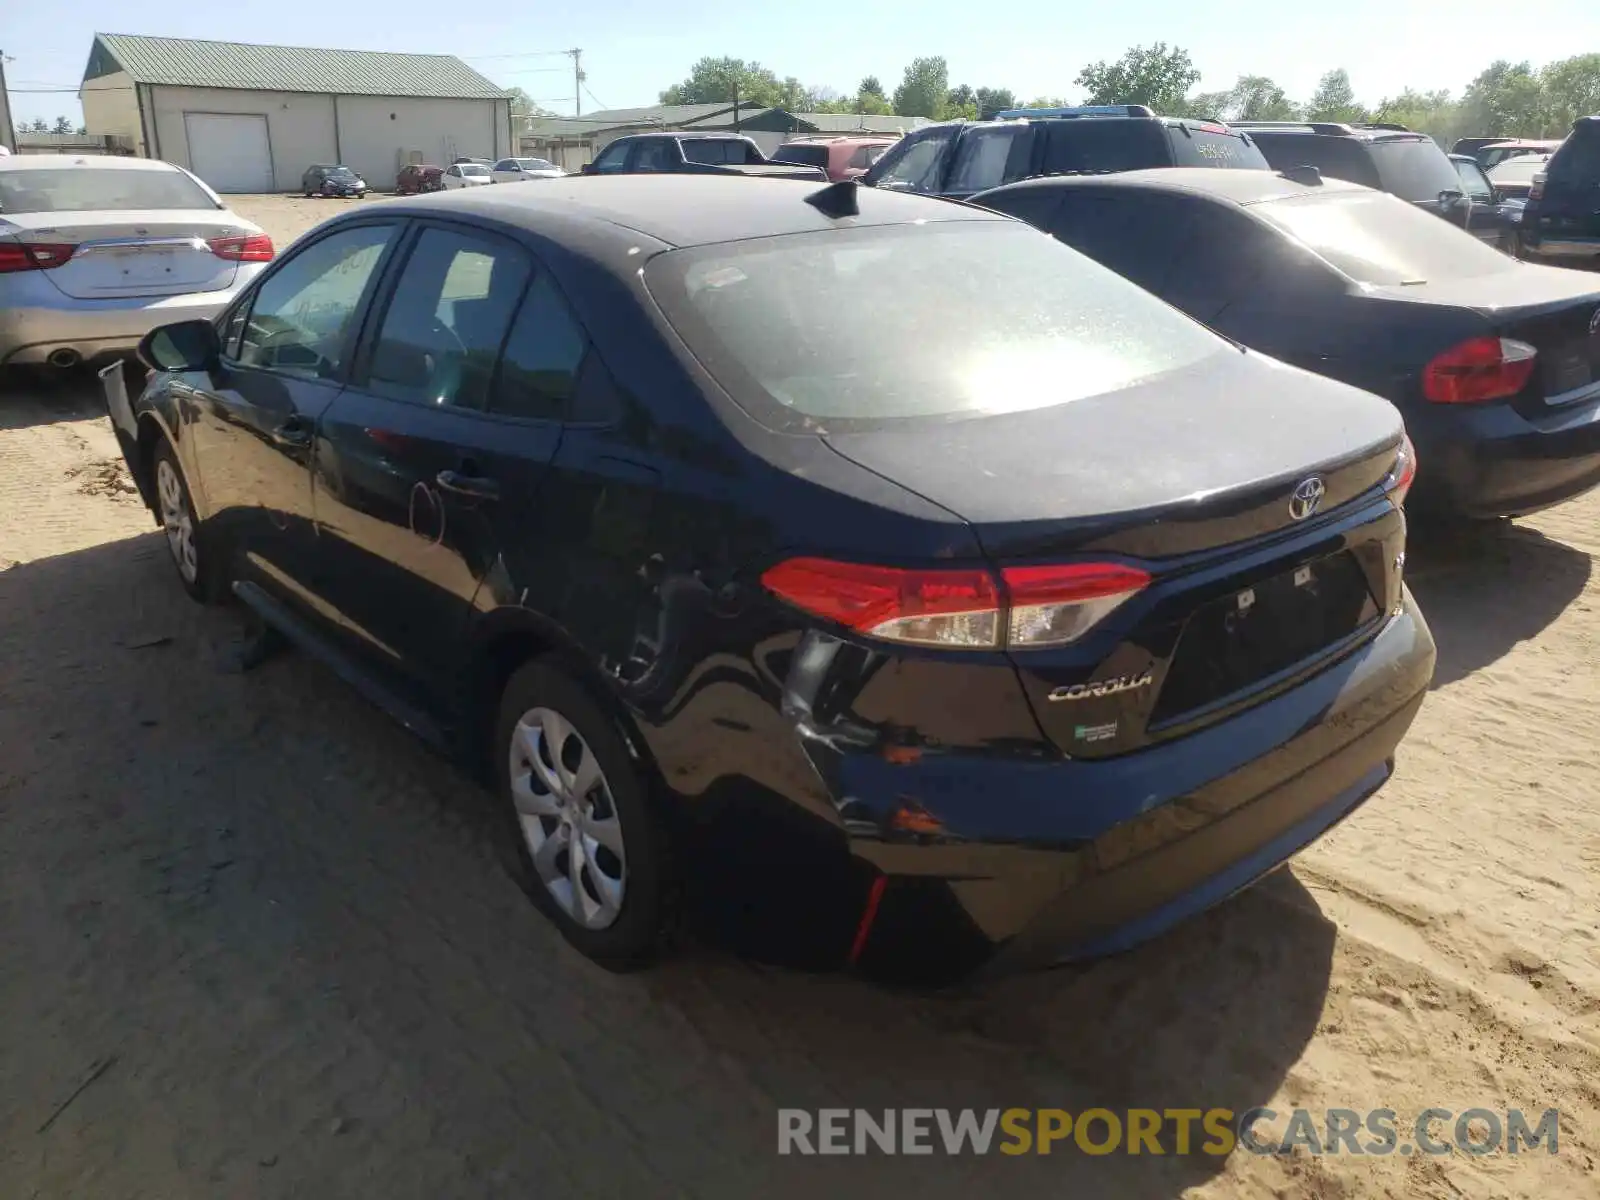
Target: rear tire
189, 543
578, 832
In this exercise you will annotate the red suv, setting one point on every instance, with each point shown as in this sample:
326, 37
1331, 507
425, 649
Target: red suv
419, 177
840, 157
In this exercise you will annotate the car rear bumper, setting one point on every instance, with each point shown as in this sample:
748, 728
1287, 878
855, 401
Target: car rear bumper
35, 322
1045, 862
1496, 462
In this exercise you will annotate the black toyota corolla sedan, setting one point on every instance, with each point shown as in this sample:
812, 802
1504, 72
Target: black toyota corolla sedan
1494, 363
976, 604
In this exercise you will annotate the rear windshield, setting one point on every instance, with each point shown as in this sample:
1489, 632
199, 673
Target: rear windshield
804, 155
716, 150
852, 327
1415, 170
1097, 144
1376, 238
1519, 170
1195, 146
1578, 160
98, 189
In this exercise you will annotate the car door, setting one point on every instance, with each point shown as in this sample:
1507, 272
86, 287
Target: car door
1567, 211
916, 163
416, 471
286, 346
1483, 219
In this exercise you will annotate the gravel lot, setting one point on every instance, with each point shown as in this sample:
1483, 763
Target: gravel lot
263, 931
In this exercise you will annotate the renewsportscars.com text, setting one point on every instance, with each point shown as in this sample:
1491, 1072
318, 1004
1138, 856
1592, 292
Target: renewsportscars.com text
1181, 1131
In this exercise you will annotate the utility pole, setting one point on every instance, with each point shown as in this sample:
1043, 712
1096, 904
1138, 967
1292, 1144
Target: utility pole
8, 133
577, 82
736, 106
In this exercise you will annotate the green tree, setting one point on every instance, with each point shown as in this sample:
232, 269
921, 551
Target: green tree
1252, 98
62, 125
713, 80
993, 100
1335, 99
923, 91
1435, 113
871, 87
1155, 75
39, 125
522, 105
1571, 90
1506, 98
1047, 102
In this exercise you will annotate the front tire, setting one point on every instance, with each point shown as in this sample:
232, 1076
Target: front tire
580, 837
187, 543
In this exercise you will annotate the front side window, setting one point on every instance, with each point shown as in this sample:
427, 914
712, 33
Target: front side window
539, 370
613, 158
99, 189
854, 327
451, 307
1376, 238
303, 315
506, 164
915, 164
1474, 182
654, 155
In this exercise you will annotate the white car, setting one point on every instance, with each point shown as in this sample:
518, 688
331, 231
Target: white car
460, 175
512, 170
97, 251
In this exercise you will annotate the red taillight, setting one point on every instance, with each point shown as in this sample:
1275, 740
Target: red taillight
934, 607
1404, 472
255, 247
1485, 368
967, 608
34, 256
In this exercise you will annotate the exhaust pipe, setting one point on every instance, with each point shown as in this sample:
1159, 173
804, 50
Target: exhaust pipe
64, 358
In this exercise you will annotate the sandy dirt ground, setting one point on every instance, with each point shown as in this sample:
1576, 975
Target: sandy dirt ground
253, 942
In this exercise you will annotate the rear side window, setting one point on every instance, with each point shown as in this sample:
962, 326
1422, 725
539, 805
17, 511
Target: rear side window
1082, 146
539, 369
716, 150
988, 156
803, 155
1193, 146
99, 189
1139, 235
1336, 157
1414, 169
452, 305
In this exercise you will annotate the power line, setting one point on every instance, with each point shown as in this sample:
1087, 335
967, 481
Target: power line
525, 54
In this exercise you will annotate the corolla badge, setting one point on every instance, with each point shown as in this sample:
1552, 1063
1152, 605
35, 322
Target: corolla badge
1307, 497
1104, 687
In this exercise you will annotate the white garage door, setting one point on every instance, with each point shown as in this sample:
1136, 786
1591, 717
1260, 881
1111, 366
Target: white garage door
229, 152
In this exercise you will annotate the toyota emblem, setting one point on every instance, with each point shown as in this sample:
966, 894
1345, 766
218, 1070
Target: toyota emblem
1307, 497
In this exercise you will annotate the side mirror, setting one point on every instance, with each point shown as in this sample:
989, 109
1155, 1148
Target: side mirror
588, 169
1450, 197
181, 346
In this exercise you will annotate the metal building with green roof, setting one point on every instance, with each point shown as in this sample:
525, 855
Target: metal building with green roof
249, 118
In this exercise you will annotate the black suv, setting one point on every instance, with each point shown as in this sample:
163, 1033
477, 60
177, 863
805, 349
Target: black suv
1562, 219
1388, 157
957, 159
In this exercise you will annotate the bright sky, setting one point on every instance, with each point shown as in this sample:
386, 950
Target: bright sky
632, 49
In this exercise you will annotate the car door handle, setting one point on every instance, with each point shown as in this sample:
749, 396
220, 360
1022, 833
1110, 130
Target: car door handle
293, 432
469, 485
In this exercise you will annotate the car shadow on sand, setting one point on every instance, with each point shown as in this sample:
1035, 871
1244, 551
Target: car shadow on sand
1486, 588
285, 915
42, 396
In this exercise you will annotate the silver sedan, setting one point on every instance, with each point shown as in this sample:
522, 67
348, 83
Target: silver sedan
97, 251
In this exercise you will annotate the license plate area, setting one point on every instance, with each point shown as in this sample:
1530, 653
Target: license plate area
1257, 632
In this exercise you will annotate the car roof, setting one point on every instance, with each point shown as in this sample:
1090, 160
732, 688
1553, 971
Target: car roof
114, 162
1353, 133
1222, 183
687, 210
679, 133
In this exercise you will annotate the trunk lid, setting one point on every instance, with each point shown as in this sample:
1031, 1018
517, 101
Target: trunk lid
1196, 459
1191, 475
1554, 309
133, 253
